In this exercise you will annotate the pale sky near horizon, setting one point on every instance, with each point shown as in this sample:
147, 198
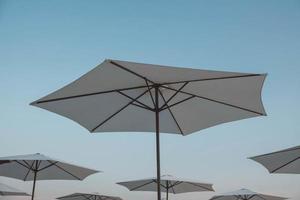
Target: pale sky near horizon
47, 44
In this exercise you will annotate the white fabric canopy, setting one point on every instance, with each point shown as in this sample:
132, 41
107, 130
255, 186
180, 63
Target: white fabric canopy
6, 190
23, 166
284, 161
169, 184
35, 167
117, 96
245, 194
87, 196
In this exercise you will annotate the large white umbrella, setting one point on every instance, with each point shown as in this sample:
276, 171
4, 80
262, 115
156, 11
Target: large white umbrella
35, 167
6, 190
169, 184
245, 194
284, 161
88, 196
120, 96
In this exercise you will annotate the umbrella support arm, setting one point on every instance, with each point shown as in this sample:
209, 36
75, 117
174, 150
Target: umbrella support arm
157, 143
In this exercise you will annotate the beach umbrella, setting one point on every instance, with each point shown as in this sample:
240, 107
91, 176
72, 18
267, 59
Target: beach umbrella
35, 167
120, 96
169, 184
6, 190
245, 194
284, 161
87, 196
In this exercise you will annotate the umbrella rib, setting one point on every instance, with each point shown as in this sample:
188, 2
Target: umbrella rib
28, 171
278, 168
200, 186
243, 197
216, 197
179, 102
210, 79
130, 71
173, 190
142, 104
88, 197
175, 184
55, 164
238, 197
137, 105
28, 167
282, 151
178, 126
259, 196
103, 198
174, 95
27, 163
216, 101
250, 197
111, 116
137, 187
72, 195
51, 164
39, 164
88, 94
149, 90
162, 185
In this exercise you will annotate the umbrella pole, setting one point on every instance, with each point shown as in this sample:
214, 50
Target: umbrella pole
34, 180
167, 195
157, 143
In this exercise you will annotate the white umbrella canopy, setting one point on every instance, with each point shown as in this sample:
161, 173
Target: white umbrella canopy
169, 184
88, 196
34, 167
121, 96
245, 194
284, 161
6, 190
102, 99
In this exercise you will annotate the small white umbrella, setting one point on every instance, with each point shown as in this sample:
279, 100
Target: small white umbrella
121, 96
169, 184
245, 194
6, 190
284, 161
35, 167
87, 196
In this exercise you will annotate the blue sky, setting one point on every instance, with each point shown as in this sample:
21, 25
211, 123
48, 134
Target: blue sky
46, 44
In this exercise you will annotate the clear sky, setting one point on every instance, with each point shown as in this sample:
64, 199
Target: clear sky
46, 44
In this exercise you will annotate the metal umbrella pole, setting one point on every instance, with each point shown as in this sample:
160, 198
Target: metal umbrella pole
167, 194
157, 142
35, 171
